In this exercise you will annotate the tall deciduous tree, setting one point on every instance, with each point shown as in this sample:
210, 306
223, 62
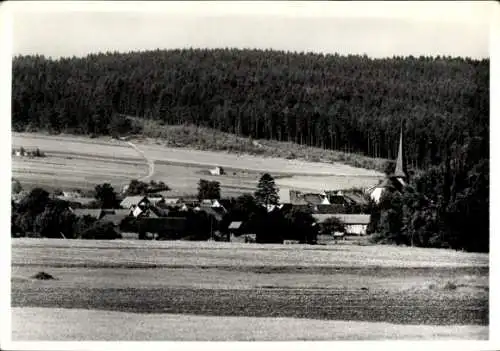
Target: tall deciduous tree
208, 190
105, 194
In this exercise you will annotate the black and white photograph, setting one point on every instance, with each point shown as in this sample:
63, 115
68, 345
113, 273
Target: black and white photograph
247, 171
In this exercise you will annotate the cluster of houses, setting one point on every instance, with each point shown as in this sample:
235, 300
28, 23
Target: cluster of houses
157, 215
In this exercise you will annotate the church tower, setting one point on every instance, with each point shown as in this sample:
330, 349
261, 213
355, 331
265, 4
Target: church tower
400, 171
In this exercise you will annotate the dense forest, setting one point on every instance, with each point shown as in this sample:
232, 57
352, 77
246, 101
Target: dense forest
347, 103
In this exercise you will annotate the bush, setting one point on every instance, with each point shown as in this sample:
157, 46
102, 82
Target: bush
101, 231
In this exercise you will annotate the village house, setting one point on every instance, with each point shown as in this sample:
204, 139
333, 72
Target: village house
234, 229
217, 171
131, 202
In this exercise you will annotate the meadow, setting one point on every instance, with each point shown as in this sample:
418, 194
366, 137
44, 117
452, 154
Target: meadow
266, 292
79, 162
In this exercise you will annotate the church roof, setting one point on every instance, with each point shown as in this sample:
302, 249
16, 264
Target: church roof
400, 170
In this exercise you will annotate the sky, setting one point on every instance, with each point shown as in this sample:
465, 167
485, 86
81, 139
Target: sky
372, 28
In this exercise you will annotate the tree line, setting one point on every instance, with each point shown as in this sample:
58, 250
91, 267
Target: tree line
350, 103
447, 206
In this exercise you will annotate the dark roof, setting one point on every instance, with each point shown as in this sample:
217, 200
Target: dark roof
337, 199
314, 199
358, 199
328, 209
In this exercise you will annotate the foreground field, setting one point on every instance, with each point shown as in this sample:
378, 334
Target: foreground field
83, 162
67, 325
400, 286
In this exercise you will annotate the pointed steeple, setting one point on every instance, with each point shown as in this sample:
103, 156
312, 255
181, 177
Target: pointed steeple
400, 171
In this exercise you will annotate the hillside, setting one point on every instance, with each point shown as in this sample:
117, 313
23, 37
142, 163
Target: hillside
344, 103
202, 138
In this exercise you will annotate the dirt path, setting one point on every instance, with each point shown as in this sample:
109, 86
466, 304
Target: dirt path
150, 162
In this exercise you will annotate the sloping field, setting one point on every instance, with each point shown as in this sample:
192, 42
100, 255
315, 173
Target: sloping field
260, 164
72, 324
60, 171
79, 162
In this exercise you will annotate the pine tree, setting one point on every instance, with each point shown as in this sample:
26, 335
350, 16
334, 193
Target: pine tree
267, 191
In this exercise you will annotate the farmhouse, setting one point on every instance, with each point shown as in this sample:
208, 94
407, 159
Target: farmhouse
355, 224
130, 202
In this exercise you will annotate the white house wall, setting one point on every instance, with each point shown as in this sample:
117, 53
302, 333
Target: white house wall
376, 194
356, 229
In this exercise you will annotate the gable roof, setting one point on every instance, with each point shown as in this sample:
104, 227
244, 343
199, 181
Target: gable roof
329, 209
356, 198
315, 199
130, 201
235, 225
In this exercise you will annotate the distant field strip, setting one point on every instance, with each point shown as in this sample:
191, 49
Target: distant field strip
86, 162
47, 251
65, 325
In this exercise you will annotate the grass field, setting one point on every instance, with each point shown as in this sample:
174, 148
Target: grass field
376, 291
83, 162
172, 327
